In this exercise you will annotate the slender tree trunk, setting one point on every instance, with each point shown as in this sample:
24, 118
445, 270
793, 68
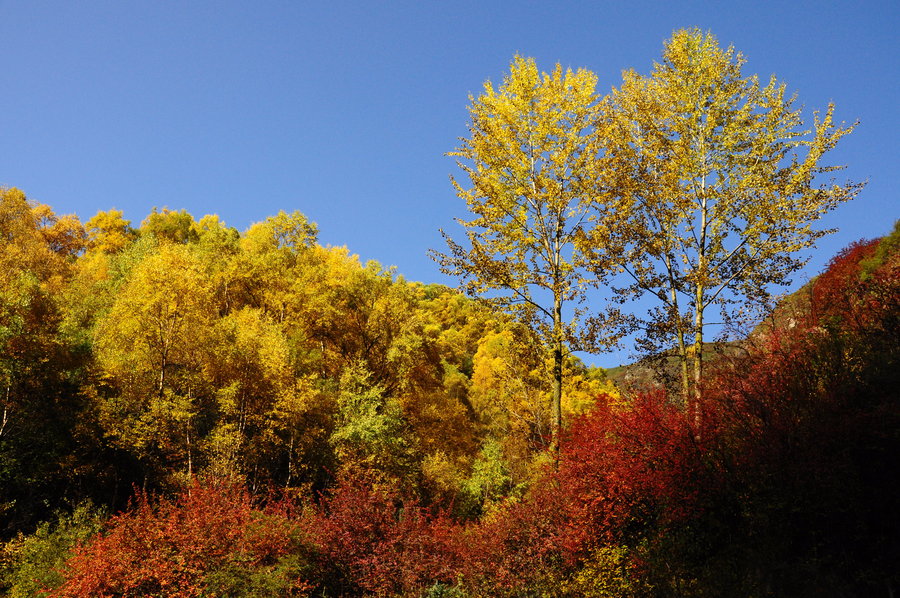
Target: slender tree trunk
700, 295
187, 438
290, 472
679, 336
698, 345
698, 359
685, 369
556, 406
5, 418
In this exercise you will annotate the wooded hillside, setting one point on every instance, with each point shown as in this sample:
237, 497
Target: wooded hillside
189, 410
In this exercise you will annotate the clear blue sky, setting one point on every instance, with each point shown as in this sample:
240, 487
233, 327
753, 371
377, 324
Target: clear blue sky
344, 110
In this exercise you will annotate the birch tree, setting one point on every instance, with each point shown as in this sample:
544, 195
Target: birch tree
720, 185
530, 158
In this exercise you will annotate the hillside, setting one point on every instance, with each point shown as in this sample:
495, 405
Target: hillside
660, 370
191, 410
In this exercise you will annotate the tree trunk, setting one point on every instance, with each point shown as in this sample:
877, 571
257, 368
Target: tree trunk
679, 335
290, 468
187, 438
682, 358
700, 295
698, 360
556, 406
5, 417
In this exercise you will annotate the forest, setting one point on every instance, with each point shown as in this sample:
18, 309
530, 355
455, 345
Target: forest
191, 410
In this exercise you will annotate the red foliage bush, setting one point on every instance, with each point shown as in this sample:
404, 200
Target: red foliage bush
172, 547
516, 548
372, 541
651, 456
623, 476
836, 290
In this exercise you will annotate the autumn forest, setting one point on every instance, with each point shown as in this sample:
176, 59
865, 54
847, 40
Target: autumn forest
191, 410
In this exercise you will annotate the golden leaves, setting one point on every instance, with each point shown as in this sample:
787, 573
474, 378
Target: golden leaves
719, 178
531, 163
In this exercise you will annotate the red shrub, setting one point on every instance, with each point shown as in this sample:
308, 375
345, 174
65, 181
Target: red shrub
372, 541
172, 547
516, 548
838, 292
622, 476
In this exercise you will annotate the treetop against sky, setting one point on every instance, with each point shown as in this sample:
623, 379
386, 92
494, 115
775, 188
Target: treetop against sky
346, 112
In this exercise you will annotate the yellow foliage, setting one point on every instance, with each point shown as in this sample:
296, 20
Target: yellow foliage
506, 392
109, 232
605, 574
713, 186
582, 390
442, 476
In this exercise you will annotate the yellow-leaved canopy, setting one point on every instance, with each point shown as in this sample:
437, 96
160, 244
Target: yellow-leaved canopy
717, 185
531, 160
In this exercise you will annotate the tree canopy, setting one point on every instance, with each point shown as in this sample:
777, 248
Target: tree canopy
531, 159
718, 188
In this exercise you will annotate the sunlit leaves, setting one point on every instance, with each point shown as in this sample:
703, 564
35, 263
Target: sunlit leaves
717, 185
151, 345
371, 438
291, 232
169, 226
531, 159
109, 232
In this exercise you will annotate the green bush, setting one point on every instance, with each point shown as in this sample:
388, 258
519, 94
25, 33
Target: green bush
34, 563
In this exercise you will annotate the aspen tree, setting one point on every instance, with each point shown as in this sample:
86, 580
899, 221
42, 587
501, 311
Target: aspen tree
531, 160
719, 185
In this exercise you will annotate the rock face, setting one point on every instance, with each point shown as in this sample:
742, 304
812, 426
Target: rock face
789, 311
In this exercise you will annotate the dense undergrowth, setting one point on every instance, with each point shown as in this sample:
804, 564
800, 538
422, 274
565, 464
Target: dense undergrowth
309, 426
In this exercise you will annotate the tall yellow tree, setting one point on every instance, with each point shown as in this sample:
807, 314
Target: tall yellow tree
150, 346
531, 159
36, 250
720, 184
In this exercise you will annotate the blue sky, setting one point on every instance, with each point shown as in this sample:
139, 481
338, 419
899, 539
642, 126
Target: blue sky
344, 110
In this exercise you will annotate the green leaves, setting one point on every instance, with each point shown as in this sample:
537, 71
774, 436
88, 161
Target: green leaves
371, 438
